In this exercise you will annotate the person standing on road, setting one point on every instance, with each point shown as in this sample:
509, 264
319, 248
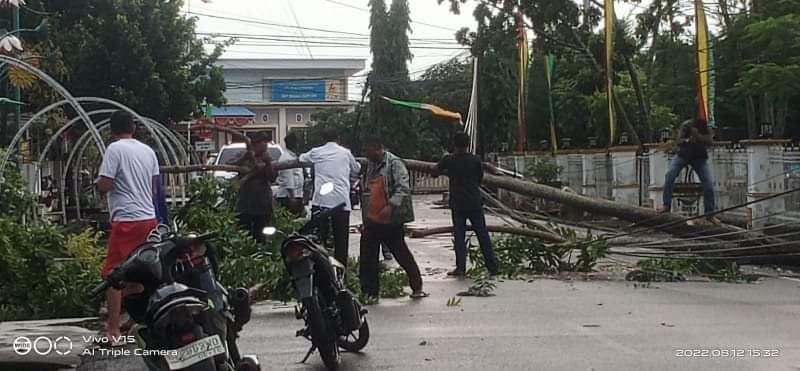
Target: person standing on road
128, 175
466, 172
694, 138
254, 203
335, 164
386, 207
290, 181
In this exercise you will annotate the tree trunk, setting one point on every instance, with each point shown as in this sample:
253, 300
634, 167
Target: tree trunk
618, 104
781, 113
752, 125
651, 56
422, 233
643, 111
645, 220
726, 14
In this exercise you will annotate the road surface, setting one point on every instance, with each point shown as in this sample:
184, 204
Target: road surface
603, 323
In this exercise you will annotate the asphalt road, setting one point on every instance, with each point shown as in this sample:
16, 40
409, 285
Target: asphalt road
548, 324
560, 325
555, 324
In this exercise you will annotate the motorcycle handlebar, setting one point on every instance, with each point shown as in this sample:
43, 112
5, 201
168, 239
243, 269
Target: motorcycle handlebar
206, 236
100, 288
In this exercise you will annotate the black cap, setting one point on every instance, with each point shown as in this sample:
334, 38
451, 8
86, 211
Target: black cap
261, 136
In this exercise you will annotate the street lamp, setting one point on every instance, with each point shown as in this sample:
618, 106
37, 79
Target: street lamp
665, 134
623, 138
544, 144
766, 130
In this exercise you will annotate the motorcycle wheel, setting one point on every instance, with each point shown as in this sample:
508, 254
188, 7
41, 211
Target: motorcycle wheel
320, 336
356, 340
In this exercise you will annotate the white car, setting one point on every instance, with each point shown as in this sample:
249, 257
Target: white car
231, 152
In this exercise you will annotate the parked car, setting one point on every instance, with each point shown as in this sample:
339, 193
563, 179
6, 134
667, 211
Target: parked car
232, 151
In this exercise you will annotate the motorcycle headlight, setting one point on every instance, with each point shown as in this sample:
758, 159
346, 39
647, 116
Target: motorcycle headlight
296, 252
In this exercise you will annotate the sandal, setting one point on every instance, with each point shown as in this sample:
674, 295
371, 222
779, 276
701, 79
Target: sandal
420, 295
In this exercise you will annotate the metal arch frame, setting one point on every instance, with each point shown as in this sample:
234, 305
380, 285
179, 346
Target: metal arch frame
166, 133
68, 98
63, 129
36, 116
62, 184
50, 143
80, 147
183, 179
147, 124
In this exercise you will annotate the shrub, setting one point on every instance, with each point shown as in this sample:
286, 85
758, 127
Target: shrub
518, 255
44, 275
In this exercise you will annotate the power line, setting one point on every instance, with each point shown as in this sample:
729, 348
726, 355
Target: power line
299, 28
706, 215
412, 21
366, 38
275, 24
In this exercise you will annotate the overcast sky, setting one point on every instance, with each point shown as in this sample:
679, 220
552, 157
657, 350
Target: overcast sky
432, 22
281, 26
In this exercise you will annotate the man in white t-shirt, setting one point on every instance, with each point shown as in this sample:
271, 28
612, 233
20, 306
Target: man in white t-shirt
127, 175
290, 181
335, 164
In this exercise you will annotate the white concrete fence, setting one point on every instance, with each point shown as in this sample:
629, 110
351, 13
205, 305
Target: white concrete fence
742, 172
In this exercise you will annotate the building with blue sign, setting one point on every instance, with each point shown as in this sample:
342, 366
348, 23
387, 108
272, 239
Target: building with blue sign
281, 95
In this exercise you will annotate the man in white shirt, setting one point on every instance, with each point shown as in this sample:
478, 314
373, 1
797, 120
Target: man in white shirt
335, 164
127, 174
290, 181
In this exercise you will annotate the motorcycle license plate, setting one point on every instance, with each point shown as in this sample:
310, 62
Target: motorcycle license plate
195, 352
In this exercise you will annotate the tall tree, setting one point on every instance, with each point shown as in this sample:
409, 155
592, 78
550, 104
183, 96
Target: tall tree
143, 53
389, 43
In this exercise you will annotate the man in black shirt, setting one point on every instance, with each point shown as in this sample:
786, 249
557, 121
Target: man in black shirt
254, 203
466, 172
693, 139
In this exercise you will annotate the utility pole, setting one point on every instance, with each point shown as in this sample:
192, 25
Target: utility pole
17, 108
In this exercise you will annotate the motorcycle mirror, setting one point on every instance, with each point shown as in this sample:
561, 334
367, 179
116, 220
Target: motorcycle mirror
269, 231
326, 188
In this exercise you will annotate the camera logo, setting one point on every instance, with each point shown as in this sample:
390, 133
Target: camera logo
22, 345
42, 345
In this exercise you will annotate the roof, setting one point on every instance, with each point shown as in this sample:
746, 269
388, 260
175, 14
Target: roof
231, 111
348, 64
296, 104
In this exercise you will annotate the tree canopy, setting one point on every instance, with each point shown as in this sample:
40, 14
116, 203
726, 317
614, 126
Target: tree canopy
755, 51
142, 53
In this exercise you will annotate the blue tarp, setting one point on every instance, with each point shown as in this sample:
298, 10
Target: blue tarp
231, 111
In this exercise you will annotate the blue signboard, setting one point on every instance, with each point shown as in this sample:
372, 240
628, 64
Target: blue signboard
298, 90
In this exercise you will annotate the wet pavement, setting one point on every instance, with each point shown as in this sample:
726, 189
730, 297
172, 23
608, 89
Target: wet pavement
561, 323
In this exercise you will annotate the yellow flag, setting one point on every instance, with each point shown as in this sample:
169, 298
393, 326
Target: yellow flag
612, 119
703, 72
522, 40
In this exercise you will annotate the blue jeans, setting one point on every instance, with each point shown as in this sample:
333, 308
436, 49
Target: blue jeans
700, 167
478, 222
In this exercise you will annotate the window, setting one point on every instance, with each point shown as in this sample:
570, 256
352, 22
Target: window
298, 117
265, 117
302, 138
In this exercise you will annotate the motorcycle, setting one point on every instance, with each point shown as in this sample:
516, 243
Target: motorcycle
333, 317
185, 319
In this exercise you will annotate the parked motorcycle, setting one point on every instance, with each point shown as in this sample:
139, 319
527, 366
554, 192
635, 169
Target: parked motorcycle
185, 319
333, 316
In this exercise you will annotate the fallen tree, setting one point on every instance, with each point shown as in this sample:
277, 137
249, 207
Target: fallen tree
549, 237
643, 219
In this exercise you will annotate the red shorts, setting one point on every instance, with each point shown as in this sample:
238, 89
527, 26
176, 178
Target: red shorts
125, 237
